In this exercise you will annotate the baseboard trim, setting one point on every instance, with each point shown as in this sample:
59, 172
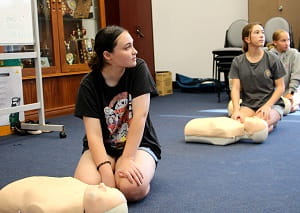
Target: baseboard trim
33, 115
51, 113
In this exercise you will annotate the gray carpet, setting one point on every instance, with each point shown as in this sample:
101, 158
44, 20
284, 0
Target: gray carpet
242, 177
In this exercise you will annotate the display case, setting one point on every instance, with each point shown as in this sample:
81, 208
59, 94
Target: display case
79, 21
66, 32
67, 29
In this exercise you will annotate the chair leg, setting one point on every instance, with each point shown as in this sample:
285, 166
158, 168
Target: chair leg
219, 86
227, 83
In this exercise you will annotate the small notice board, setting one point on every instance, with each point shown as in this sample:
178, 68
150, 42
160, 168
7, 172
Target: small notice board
10, 87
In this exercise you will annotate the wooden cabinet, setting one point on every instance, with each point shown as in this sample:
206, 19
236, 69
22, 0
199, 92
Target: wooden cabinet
136, 17
59, 94
67, 29
262, 10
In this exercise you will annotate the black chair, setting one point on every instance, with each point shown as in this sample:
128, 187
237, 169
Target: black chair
277, 23
222, 58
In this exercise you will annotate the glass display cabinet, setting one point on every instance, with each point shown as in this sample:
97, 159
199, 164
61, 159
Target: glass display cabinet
66, 32
67, 29
79, 21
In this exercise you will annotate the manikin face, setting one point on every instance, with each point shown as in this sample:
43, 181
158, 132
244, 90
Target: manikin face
283, 43
124, 53
101, 198
256, 37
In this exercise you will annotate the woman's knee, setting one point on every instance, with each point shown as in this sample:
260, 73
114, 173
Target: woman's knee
275, 116
132, 191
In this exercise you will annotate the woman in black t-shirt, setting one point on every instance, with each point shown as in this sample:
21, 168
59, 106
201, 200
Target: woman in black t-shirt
120, 146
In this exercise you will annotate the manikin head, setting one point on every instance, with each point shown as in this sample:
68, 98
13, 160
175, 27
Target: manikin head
96, 196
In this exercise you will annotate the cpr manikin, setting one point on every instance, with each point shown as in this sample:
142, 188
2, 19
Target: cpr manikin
42, 194
224, 130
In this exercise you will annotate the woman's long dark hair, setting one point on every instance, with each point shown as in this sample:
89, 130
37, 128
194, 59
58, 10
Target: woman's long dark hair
105, 40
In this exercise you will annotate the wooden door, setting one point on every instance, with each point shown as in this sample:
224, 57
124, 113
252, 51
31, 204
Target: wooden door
262, 10
136, 17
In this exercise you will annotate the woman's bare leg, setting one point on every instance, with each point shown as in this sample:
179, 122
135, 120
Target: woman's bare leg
86, 170
273, 120
132, 191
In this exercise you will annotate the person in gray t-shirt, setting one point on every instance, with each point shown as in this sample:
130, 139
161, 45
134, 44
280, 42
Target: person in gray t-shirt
257, 79
290, 58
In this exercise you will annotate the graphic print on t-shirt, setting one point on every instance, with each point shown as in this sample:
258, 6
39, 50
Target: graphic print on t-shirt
118, 115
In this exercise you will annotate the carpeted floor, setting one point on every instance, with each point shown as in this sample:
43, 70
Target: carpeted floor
242, 177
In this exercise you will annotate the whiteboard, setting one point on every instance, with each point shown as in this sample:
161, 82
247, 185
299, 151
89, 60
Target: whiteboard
16, 22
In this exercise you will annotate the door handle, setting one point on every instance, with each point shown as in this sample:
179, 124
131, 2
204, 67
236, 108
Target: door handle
139, 32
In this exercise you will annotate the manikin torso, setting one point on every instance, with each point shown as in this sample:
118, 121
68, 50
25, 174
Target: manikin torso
43, 194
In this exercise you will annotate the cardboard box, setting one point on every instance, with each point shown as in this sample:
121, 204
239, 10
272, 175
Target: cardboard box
164, 82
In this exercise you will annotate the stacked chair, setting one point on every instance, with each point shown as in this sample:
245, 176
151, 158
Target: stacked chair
222, 58
276, 23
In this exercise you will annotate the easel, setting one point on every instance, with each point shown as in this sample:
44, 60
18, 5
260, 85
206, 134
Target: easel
31, 40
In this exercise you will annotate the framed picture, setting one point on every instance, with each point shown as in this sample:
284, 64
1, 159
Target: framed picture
45, 62
83, 8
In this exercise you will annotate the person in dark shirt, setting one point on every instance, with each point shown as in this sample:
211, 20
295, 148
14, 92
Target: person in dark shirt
120, 147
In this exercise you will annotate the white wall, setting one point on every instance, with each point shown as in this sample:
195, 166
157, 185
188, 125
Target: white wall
186, 32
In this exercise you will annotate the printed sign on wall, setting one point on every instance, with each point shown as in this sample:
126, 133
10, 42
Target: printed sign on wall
11, 91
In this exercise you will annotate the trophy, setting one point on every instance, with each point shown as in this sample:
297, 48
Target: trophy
69, 54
